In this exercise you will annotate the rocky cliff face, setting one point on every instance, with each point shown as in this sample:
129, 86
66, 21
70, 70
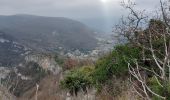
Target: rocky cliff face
28, 73
46, 62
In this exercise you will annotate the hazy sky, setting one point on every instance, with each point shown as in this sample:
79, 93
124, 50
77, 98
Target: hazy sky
95, 13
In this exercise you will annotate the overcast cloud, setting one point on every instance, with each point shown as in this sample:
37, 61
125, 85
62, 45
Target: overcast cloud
92, 12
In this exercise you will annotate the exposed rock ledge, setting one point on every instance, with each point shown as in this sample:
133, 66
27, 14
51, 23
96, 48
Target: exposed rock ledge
47, 62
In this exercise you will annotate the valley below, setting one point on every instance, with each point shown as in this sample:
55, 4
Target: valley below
28, 52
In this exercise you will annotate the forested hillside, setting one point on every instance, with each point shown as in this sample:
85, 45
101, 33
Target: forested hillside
49, 33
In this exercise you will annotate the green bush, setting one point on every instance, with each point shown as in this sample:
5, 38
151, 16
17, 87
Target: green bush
78, 79
163, 90
115, 63
153, 84
59, 59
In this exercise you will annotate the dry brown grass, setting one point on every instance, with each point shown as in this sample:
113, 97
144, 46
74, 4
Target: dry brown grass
128, 95
48, 90
125, 95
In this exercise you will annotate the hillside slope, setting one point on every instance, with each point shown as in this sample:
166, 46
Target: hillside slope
11, 52
48, 33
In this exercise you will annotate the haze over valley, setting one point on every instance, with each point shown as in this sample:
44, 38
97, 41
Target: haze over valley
29, 46
84, 50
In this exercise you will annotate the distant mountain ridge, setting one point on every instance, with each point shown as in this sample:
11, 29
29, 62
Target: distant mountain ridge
48, 33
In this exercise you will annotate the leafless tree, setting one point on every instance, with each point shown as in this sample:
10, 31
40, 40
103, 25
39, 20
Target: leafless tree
133, 28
